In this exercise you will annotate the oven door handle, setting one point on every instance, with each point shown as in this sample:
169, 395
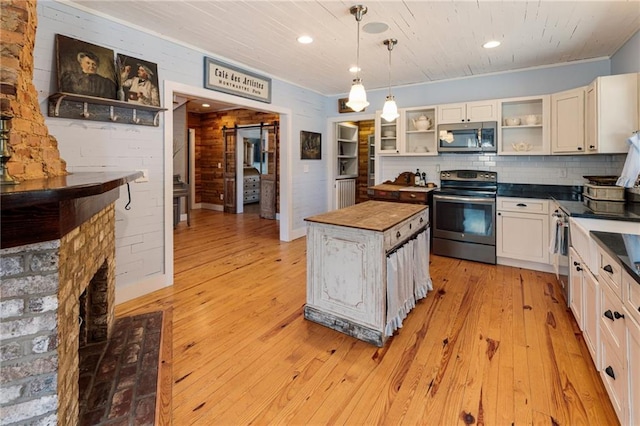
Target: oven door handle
478, 200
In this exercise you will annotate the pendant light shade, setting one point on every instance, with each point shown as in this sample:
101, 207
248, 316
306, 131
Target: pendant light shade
390, 108
357, 96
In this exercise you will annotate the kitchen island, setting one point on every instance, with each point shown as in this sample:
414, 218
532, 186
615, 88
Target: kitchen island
367, 265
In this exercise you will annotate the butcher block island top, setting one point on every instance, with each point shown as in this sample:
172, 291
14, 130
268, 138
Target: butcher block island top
370, 215
367, 265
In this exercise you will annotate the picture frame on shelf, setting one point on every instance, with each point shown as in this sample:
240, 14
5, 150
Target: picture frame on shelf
343, 108
310, 145
84, 68
137, 81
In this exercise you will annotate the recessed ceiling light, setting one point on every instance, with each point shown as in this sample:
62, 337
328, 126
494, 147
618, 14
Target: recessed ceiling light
491, 44
375, 27
305, 39
354, 69
205, 105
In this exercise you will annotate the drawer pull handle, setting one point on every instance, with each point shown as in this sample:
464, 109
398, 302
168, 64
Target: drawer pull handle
398, 234
410, 225
609, 372
618, 315
521, 205
609, 314
608, 268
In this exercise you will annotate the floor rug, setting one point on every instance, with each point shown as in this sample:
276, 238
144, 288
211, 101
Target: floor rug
119, 378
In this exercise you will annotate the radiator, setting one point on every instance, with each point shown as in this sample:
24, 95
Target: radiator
345, 193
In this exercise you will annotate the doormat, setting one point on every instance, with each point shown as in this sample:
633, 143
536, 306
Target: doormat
119, 378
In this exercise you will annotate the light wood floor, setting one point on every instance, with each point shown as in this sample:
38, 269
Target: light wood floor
490, 345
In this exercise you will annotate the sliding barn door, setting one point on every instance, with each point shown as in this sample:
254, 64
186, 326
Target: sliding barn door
229, 176
269, 174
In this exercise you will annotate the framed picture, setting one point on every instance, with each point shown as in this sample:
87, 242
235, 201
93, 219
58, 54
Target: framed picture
137, 81
310, 145
342, 106
84, 68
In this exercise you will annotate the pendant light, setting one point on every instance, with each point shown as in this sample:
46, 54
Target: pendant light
390, 109
357, 95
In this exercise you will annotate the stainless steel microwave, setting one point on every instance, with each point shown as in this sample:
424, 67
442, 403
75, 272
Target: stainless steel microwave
468, 137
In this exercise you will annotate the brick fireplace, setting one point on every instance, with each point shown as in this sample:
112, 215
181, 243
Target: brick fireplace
40, 334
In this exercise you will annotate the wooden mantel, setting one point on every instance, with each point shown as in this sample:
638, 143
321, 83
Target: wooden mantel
46, 209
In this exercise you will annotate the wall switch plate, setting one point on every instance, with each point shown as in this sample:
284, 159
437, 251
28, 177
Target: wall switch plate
219, 165
222, 196
437, 167
145, 176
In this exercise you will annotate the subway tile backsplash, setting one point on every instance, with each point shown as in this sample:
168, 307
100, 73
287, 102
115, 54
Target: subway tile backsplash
548, 170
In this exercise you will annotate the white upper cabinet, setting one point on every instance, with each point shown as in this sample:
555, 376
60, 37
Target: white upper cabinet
468, 112
567, 122
611, 113
418, 126
411, 134
386, 135
524, 126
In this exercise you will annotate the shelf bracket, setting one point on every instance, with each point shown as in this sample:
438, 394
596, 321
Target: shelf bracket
135, 119
155, 118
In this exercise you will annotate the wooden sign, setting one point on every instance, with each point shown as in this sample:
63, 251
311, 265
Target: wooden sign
235, 81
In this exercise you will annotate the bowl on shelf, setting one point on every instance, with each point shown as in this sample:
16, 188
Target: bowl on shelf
531, 119
521, 146
420, 149
386, 145
512, 121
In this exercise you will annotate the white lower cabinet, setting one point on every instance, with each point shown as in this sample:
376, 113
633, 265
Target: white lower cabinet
576, 302
618, 349
633, 347
522, 229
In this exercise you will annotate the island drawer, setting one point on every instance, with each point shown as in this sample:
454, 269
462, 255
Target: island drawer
399, 233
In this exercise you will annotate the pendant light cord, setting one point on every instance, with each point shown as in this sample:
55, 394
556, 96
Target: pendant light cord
358, 49
389, 69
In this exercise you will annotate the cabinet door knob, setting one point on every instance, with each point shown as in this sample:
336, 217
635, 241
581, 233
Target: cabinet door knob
398, 234
579, 148
618, 315
609, 372
608, 268
609, 314
575, 263
499, 214
578, 268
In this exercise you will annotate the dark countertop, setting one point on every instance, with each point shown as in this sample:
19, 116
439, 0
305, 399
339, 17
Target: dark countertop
631, 212
61, 188
570, 200
557, 192
624, 247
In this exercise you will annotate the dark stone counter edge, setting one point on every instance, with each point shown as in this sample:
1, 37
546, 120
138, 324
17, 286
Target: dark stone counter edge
557, 192
62, 188
610, 242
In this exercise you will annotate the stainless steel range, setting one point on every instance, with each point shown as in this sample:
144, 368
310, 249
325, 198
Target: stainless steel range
464, 215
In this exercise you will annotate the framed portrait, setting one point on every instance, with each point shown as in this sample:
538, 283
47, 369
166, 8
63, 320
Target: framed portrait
310, 145
84, 68
137, 81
